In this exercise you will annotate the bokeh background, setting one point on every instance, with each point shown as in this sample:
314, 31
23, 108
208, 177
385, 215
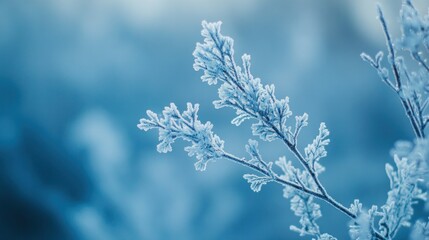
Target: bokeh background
76, 76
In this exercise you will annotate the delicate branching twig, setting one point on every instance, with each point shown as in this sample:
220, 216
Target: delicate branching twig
244, 93
394, 63
412, 96
251, 100
411, 160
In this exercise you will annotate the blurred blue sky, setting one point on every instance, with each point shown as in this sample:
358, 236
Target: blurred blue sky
76, 75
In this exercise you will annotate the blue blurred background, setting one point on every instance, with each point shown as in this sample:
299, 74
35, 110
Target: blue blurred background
76, 75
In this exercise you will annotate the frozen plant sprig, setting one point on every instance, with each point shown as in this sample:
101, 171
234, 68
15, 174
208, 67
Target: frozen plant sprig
412, 87
404, 193
406, 188
362, 227
409, 177
302, 204
251, 100
206, 145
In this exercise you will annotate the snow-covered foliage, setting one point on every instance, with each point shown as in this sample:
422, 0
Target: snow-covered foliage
241, 91
271, 116
206, 145
252, 101
409, 176
412, 87
360, 227
408, 184
405, 189
302, 204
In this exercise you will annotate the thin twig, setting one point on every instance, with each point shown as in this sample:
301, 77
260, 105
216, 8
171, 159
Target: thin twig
396, 73
325, 197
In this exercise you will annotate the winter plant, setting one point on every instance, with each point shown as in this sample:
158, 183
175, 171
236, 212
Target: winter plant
273, 120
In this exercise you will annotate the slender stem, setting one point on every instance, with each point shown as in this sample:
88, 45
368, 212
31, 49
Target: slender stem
321, 193
414, 105
408, 111
389, 83
275, 178
395, 68
414, 113
291, 146
283, 182
310, 170
389, 43
325, 197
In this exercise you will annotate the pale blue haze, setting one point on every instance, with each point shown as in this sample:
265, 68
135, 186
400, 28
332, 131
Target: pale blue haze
77, 75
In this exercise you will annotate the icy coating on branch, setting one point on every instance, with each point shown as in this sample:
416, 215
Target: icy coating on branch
271, 117
409, 176
241, 91
407, 180
412, 87
254, 101
206, 145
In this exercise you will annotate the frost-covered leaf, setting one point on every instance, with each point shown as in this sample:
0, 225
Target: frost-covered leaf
241, 117
368, 59
255, 157
316, 150
379, 58
205, 145
241, 91
256, 182
294, 175
264, 131
300, 122
152, 122
308, 211
405, 185
356, 207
